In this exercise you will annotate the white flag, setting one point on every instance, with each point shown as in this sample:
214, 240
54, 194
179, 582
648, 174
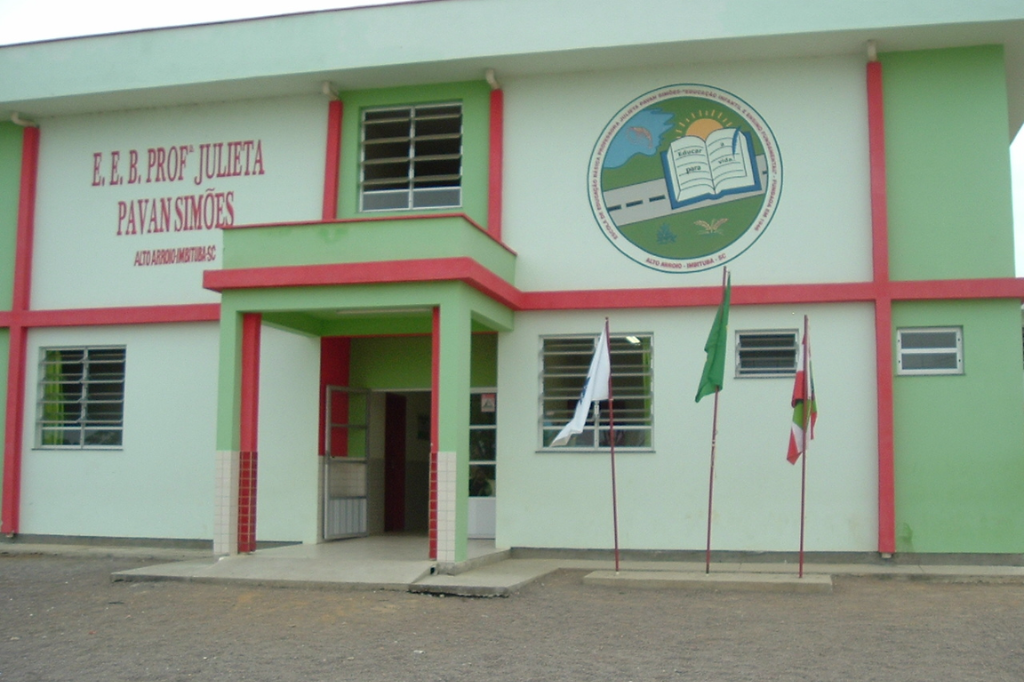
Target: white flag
595, 388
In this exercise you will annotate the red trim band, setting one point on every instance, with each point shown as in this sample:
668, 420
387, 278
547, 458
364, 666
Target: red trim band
86, 317
10, 511
382, 272
690, 297
883, 309
333, 160
335, 363
249, 407
26, 219
497, 162
250, 382
471, 272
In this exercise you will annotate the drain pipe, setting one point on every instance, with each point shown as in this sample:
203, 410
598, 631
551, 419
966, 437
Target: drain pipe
24, 123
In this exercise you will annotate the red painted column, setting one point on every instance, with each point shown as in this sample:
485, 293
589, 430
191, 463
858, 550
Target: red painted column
335, 363
11, 511
14, 423
435, 430
496, 164
883, 311
249, 427
331, 169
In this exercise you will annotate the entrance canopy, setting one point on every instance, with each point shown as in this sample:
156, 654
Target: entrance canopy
438, 275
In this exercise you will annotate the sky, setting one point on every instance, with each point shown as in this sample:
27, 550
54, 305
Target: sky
30, 20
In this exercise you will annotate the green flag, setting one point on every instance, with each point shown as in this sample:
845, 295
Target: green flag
714, 367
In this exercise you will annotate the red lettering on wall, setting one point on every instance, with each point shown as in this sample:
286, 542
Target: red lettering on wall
97, 161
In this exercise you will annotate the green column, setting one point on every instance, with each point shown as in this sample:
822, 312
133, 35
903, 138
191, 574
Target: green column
229, 381
453, 410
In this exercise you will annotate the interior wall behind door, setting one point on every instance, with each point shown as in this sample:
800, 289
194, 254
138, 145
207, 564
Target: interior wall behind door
417, 462
394, 462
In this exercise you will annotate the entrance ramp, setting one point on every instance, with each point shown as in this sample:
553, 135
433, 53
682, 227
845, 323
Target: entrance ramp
383, 562
372, 563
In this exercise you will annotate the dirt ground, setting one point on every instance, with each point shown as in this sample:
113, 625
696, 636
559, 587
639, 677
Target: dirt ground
63, 619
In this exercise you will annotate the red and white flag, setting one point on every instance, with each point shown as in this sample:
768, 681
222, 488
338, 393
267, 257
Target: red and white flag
805, 406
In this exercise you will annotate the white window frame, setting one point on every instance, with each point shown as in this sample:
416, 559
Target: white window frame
745, 348
94, 400
420, 191
475, 428
632, 392
918, 350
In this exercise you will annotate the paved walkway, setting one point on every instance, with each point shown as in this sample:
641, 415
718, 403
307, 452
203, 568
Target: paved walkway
397, 563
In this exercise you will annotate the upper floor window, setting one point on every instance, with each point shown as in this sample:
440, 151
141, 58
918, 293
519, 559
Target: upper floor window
930, 350
411, 157
81, 397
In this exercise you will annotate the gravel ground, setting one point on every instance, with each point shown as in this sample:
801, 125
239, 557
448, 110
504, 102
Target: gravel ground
63, 619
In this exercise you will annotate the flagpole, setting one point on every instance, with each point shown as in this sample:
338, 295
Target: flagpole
711, 483
611, 442
714, 443
805, 418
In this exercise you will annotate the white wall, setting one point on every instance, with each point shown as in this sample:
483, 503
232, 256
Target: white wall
80, 260
287, 493
815, 107
551, 499
160, 484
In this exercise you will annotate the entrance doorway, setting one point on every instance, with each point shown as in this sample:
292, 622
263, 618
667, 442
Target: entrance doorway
377, 463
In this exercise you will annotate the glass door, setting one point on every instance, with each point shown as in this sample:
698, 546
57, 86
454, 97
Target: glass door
483, 479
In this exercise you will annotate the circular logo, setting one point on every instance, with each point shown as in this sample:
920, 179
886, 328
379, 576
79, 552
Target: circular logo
685, 178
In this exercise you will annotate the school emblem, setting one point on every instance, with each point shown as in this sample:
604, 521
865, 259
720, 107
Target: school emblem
685, 178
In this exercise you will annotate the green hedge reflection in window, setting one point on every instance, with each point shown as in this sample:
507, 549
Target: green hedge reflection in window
81, 398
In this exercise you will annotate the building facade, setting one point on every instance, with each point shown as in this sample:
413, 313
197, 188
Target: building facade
345, 284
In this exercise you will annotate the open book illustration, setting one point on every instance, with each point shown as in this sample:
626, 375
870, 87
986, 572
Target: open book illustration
697, 169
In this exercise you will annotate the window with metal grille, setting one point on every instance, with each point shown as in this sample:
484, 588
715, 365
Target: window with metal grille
766, 353
81, 398
411, 158
930, 350
564, 364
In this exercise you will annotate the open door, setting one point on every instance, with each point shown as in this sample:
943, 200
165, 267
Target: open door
346, 444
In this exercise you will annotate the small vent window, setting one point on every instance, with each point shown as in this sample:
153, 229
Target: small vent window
411, 158
930, 350
766, 353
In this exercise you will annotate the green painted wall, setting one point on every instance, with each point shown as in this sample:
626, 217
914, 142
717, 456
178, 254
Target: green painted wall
403, 362
10, 181
476, 103
959, 440
947, 164
363, 242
